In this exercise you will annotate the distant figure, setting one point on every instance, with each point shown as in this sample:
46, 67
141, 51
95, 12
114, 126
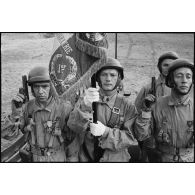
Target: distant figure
147, 94
160, 88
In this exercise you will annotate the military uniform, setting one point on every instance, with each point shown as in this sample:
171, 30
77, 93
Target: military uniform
174, 120
119, 137
46, 138
160, 88
170, 122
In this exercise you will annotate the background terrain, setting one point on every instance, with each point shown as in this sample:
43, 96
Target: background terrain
138, 53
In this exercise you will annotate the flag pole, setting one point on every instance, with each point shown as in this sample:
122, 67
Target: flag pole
116, 40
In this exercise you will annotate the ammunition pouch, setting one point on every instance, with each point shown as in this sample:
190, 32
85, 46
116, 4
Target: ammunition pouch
173, 154
46, 151
26, 156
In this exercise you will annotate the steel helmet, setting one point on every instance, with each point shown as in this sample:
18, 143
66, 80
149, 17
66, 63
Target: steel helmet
168, 55
112, 64
38, 74
175, 65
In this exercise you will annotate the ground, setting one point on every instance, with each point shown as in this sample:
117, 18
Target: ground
137, 52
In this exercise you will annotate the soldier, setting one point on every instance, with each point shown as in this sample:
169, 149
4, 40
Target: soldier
116, 116
147, 95
43, 119
171, 122
160, 87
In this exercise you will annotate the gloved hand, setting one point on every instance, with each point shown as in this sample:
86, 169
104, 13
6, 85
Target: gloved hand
97, 129
16, 104
91, 95
149, 100
31, 124
18, 100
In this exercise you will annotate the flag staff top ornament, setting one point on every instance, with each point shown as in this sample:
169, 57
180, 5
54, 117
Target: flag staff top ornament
75, 61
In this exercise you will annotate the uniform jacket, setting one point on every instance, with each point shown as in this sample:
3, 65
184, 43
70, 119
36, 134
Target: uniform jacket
161, 90
169, 117
41, 116
118, 139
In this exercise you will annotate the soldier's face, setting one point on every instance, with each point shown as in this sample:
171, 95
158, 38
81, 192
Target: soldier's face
41, 91
183, 80
108, 79
165, 66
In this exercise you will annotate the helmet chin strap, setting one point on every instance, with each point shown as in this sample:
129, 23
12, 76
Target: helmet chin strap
117, 83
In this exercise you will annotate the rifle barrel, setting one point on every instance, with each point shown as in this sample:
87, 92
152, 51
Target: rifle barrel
116, 40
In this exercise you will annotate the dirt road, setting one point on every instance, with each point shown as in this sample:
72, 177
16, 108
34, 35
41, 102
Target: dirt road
138, 52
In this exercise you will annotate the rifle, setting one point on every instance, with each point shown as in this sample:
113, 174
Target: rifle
98, 151
151, 154
25, 155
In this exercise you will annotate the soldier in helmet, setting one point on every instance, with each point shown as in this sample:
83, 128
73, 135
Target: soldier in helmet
108, 139
161, 89
146, 96
43, 119
170, 120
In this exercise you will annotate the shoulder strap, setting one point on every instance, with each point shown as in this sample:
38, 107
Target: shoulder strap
30, 109
30, 114
57, 110
116, 111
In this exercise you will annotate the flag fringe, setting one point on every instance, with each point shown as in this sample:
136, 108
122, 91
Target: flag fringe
83, 82
92, 50
54, 93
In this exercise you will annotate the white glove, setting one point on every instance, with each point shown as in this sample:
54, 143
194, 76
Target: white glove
97, 129
91, 95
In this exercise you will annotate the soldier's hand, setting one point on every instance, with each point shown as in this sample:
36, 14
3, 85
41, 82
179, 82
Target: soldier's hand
165, 138
97, 129
18, 100
91, 95
149, 100
16, 105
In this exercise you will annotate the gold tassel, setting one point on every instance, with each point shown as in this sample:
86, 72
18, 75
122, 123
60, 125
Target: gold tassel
54, 93
92, 50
